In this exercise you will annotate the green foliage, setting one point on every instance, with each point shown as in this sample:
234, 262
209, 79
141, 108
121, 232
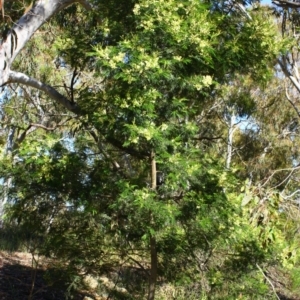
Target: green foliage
151, 78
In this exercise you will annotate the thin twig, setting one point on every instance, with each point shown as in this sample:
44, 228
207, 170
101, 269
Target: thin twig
139, 264
270, 282
292, 103
281, 170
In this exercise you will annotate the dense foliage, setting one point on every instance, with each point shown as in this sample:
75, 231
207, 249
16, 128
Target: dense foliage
176, 170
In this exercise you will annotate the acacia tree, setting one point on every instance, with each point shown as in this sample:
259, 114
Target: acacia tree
143, 108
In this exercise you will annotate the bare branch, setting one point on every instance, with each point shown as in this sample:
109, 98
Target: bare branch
292, 103
44, 127
269, 281
286, 3
288, 74
73, 81
23, 135
243, 10
289, 196
101, 148
17, 77
291, 170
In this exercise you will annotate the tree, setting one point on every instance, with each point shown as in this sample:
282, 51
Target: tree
146, 105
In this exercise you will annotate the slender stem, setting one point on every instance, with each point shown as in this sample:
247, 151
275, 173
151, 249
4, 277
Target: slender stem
153, 271
232, 128
34, 266
269, 281
153, 252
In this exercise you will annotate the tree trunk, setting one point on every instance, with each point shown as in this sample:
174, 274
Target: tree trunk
7, 182
20, 34
153, 270
231, 130
153, 252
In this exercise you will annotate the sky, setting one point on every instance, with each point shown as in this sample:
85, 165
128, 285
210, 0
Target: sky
266, 1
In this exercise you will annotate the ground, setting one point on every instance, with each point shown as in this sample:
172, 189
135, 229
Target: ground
19, 280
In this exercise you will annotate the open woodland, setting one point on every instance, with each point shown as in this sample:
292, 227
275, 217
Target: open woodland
149, 150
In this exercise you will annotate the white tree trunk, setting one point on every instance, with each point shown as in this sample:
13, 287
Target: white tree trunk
7, 182
20, 34
231, 129
15, 41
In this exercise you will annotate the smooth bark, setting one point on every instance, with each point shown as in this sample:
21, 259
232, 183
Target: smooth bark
232, 128
10, 47
17, 77
286, 3
21, 33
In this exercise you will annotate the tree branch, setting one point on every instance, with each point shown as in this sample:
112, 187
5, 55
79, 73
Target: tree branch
86, 4
269, 281
17, 77
43, 127
101, 148
129, 150
288, 74
24, 29
286, 3
292, 103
